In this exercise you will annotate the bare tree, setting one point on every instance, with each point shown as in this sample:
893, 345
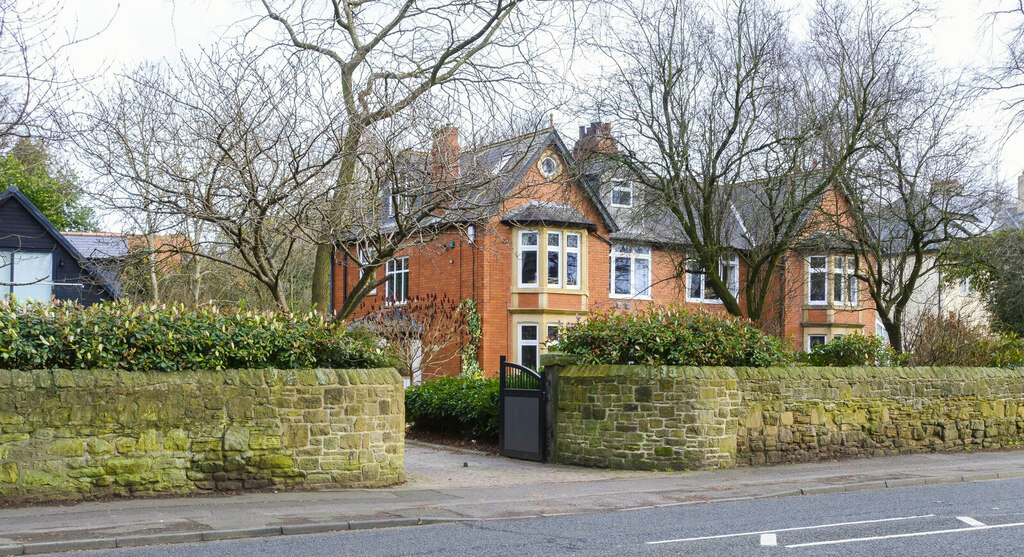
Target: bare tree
236, 153
1007, 75
923, 184
735, 131
381, 58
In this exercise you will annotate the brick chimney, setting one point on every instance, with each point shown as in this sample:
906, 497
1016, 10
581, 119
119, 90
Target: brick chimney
595, 139
445, 153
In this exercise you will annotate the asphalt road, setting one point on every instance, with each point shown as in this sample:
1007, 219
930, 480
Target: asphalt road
974, 518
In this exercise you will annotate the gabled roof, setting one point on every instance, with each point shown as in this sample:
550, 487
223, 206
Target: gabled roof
98, 245
12, 193
524, 152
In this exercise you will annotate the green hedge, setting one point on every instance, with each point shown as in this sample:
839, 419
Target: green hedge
855, 350
670, 336
173, 338
461, 405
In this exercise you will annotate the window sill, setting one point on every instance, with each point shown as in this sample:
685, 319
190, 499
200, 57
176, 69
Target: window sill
704, 301
614, 296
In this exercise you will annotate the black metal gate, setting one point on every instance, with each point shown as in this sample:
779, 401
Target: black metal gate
522, 432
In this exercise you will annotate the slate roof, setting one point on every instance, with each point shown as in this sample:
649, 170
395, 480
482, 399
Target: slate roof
546, 212
98, 245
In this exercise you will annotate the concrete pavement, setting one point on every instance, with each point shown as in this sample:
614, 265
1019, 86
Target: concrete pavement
447, 486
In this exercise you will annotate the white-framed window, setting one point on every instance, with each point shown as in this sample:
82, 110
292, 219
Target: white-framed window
572, 260
28, 275
622, 194
397, 285
630, 271
365, 256
817, 279
502, 163
844, 281
966, 289
528, 251
529, 345
815, 340
554, 250
699, 285
552, 339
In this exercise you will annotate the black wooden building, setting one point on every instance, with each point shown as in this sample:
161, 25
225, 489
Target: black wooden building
38, 263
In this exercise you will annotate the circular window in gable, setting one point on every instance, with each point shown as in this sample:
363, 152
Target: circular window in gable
548, 166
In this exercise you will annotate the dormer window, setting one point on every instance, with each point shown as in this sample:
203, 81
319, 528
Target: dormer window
502, 163
622, 194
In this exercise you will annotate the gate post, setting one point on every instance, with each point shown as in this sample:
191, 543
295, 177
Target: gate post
551, 365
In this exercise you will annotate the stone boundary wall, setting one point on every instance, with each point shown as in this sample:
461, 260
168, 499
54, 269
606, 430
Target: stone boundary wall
95, 433
689, 418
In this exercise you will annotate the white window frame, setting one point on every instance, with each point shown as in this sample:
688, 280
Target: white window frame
557, 252
551, 340
9, 260
365, 254
809, 337
630, 252
844, 268
535, 342
622, 186
523, 249
397, 269
578, 252
727, 267
811, 270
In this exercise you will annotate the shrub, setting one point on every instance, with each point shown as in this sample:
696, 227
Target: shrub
172, 338
951, 341
462, 405
671, 336
855, 350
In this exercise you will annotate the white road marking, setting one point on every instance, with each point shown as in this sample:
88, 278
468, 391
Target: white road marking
833, 525
769, 539
909, 535
970, 521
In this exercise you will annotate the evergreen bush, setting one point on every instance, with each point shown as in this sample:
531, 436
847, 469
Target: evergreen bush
671, 336
464, 406
173, 338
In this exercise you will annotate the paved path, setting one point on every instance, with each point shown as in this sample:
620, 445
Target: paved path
451, 486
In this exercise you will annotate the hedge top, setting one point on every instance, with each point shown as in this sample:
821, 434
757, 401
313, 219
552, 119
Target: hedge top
122, 336
785, 372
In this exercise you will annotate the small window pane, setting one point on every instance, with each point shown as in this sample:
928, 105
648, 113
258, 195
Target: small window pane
572, 271
554, 238
641, 276
528, 239
642, 250
815, 340
552, 333
528, 356
622, 275
528, 332
529, 270
696, 285
818, 287
572, 240
553, 267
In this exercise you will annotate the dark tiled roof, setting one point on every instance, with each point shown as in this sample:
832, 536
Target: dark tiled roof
546, 212
98, 245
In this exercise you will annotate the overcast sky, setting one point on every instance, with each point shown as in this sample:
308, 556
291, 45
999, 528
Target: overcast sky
149, 30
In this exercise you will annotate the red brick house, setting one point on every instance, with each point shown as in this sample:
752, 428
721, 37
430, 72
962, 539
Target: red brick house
565, 243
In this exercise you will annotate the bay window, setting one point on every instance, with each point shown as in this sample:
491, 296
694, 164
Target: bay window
832, 280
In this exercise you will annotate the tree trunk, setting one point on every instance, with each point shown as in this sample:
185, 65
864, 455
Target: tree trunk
320, 290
